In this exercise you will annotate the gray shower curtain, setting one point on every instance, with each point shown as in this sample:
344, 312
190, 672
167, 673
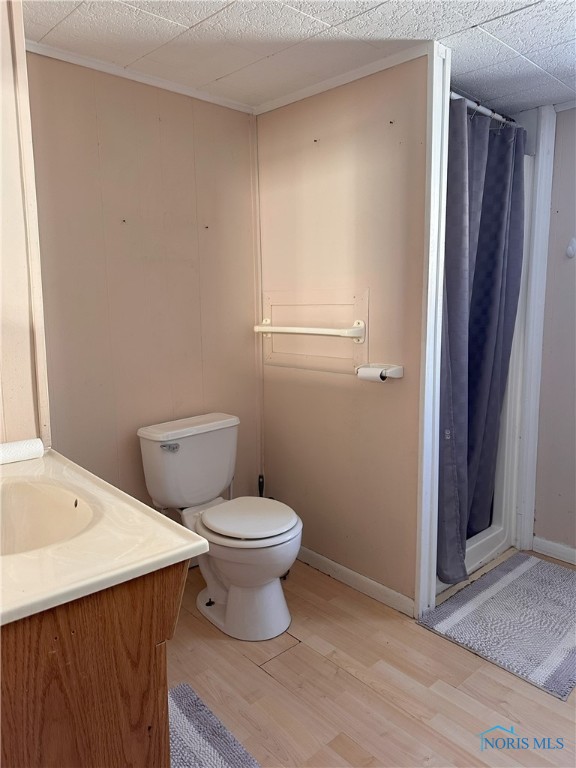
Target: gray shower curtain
483, 265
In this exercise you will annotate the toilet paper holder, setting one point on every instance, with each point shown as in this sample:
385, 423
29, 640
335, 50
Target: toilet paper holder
379, 371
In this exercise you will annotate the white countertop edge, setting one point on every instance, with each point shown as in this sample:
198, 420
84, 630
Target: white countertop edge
24, 604
121, 576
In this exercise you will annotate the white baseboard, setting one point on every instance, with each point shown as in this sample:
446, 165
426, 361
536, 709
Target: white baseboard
355, 580
553, 549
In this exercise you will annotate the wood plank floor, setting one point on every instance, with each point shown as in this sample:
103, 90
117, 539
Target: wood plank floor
354, 683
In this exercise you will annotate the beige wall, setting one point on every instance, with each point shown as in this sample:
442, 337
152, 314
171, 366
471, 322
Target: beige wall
146, 226
18, 414
342, 185
555, 478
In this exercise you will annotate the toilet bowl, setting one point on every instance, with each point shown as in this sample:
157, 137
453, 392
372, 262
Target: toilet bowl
256, 542
253, 541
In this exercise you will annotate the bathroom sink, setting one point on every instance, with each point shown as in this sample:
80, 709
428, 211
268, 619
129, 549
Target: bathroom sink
36, 514
66, 534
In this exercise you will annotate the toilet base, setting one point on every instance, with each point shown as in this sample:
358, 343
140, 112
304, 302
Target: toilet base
250, 613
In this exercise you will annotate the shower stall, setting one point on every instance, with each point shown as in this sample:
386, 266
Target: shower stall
500, 535
511, 515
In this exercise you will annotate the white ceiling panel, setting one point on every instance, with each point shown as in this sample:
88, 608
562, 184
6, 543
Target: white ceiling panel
539, 26
407, 20
198, 60
479, 11
181, 11
111, 31
48, 14
475, 49
551, 92
206, 70
327, 55
508, 77
260, 51
333, 11
559, 61
257, 85
40, 17
36, 32
265, 28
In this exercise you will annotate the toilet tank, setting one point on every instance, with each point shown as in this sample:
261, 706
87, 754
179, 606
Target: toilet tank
189, 461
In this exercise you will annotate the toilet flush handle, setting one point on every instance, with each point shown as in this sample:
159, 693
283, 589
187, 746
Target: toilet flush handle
172, 447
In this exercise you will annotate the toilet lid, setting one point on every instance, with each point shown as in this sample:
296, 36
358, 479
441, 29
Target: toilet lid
249, 517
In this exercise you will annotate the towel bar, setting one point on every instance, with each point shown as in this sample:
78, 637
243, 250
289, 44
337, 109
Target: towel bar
357, 332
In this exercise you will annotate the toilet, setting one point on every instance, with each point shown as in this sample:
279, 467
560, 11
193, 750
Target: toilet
253, 541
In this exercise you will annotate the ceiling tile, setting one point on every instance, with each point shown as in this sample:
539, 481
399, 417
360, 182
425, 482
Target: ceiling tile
478, 11
411, 20
539, 26
264, 27
327, 55
466, 95
111, 32
180, 75
259, 51
509, 77
48, 14
333, 11
551, 92
182, 12
559, 61
35, 32
474, 49
198, 58
259, 83
330, 54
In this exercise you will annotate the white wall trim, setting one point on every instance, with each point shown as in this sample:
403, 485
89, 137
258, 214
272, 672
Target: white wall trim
566, 105
129, 74
437, 161
15, 14
535, 299
506, 492
554, 549
414, 52
358, 582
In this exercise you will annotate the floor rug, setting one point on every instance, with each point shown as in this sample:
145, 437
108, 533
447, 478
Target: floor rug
197, 738
521, 616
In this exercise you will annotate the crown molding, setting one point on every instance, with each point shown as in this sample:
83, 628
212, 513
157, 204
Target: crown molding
414, 52
565, 105
129, 74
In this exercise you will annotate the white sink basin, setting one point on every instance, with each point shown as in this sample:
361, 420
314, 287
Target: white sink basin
66, 533
36, 514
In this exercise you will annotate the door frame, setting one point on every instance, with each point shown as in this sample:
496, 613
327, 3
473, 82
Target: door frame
520, 451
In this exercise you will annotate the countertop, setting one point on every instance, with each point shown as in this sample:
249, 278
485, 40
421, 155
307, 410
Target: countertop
124, 540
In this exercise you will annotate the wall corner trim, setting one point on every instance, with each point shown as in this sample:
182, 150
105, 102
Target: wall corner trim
555, 549
357, 581
536, 295
437, 162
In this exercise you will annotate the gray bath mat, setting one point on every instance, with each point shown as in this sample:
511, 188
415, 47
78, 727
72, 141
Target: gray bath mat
197, 738
522, 616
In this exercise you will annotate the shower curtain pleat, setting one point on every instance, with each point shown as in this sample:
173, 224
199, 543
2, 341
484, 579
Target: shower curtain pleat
483, 264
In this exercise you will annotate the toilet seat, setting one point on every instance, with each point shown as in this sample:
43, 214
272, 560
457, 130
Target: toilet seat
248, 523
249, 517
231, 543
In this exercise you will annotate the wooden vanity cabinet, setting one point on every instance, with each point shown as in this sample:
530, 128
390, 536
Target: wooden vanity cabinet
84, 684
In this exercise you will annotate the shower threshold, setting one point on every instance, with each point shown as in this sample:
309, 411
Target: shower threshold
481, 550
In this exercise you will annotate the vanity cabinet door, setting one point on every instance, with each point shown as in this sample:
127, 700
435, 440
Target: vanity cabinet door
84, 684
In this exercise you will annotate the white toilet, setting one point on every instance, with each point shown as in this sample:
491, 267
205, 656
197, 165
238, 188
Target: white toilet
253, 541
